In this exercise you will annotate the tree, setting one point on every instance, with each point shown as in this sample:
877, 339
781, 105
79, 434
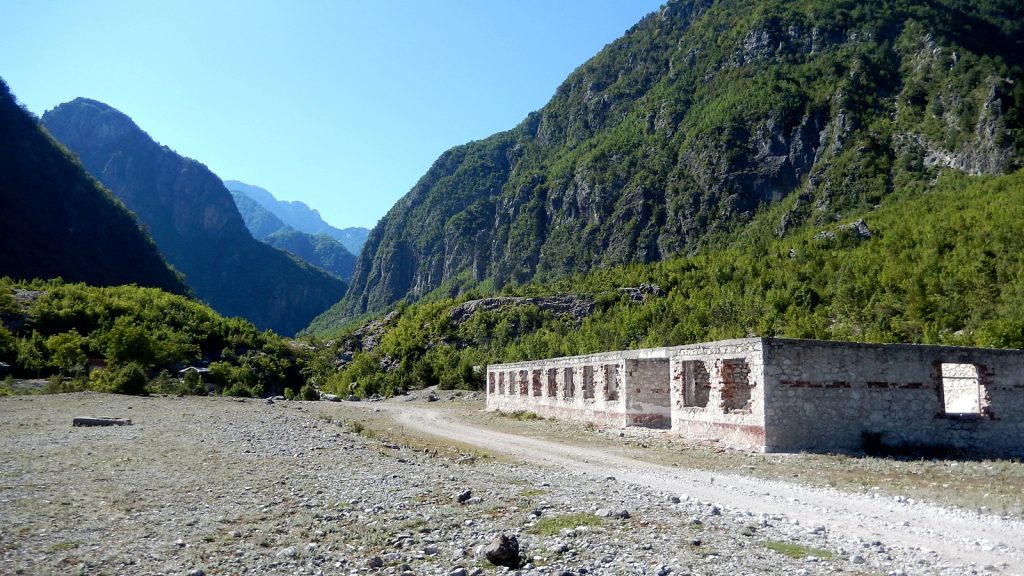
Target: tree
129, 342
66, 352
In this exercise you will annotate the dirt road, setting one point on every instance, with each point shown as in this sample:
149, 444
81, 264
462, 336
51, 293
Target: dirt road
957, 536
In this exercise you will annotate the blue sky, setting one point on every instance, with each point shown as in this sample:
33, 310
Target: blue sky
340, 104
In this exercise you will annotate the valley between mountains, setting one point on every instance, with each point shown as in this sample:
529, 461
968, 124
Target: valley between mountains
410, 486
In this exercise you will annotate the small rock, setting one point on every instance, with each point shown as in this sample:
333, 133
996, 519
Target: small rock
856, 559
622, 514
391, 557
460, 571
179, 543
603, 512
662, 571
714, 510
559, 548
197, 572
695, 542
430, 549
503, 551
673, 499
464, 496
375, 562
289, 552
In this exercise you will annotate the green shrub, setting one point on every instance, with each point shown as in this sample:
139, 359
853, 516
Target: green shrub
127, 379
289, 394
238, 390
309, 393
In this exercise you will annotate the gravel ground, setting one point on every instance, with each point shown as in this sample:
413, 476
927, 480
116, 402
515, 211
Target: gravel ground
221, 486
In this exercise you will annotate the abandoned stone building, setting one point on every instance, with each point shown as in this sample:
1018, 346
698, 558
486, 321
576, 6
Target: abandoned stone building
785, 395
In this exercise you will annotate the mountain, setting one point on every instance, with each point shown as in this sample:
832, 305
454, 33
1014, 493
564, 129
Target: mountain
193, 220
700, 116
936, 265
320, 250
300, 216
260, 221
58, 221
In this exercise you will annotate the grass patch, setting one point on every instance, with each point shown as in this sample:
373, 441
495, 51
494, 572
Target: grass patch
553, 525
62, 547
531, 492
521, 415
797, 551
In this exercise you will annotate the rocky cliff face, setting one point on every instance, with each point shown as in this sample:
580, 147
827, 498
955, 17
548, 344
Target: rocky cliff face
58, 221
702, 114
193, 220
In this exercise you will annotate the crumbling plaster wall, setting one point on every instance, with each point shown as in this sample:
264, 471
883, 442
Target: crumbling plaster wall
785, 395
823, 395
717, 392
574, 388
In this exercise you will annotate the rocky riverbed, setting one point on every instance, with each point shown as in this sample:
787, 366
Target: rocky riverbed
223, 486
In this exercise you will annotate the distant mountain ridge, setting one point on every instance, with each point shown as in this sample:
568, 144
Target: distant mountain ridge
193, 220
300, 216
702, 114
320, 250
58, 221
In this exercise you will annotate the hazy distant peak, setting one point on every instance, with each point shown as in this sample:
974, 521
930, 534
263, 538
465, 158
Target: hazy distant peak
300, 216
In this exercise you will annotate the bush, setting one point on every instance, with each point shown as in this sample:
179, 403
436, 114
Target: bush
308, 393
238, 390
127, 379
289, 394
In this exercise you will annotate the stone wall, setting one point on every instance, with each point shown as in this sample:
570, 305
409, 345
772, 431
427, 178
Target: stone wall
834, 396
648, 400
582, 388
785, 395
717, 392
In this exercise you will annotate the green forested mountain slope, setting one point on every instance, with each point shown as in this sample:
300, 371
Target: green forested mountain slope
260, 221
702, 114
942, 265
194, 221
57, 221
320, 250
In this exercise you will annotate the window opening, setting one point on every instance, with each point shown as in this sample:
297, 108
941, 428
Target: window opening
735, 385
962, 392
696, 384
568, 385
611, 381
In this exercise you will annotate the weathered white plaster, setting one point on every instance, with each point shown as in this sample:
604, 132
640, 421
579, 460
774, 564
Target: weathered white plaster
785, 395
